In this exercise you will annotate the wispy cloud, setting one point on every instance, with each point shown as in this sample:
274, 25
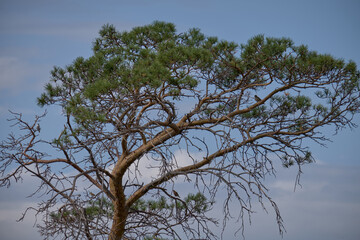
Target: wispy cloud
17, 75
73, 31
326, 206
13, 203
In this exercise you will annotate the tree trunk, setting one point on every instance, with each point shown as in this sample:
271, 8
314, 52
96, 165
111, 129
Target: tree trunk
120, 211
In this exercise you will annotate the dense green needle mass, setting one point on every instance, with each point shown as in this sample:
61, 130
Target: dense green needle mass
153, 108
155, 60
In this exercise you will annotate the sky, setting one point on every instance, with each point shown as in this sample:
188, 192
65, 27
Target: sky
39, 34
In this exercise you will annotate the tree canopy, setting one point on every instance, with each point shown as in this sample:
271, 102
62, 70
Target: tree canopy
145, 95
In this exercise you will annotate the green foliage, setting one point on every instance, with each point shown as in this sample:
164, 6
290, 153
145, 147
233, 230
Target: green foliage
285, 105
102, 207
145, 58
154, 238
195, 202
289, 161
63, 140
258, 112
154, 58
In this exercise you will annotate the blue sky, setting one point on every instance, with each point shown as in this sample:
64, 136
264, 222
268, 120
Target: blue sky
36, 35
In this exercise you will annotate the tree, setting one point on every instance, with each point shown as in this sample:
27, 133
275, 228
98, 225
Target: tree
234, 110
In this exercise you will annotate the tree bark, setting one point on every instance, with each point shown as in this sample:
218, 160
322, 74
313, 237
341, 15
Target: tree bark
120, 210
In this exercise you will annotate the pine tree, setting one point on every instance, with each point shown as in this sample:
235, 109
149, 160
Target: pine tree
146, 93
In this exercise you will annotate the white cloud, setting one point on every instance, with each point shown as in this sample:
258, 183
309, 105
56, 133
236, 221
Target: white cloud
149, 169
326, 206
284, 185
12, 230
183, 158
79, 31
13, 203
